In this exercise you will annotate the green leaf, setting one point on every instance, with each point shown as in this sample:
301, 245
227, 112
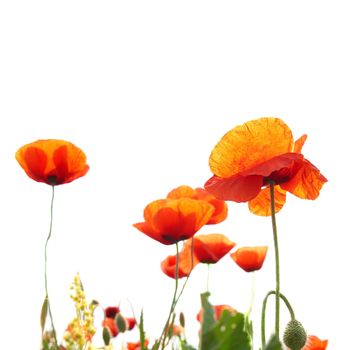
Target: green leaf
106, 336
229, 333
142, 332
43, 313
274, 344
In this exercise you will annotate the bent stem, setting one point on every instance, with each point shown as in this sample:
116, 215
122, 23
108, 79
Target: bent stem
277, 262
46, 289
173, 303
263, 313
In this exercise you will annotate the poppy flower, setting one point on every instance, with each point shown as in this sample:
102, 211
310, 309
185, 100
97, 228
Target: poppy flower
187, 261
54, 162
110, 324
314, 343
209, 249
169, 221
250, 258
220, 213
218, 310
250, 156
137, 345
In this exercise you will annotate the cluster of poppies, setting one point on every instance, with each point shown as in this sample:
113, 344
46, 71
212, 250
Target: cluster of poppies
257, 162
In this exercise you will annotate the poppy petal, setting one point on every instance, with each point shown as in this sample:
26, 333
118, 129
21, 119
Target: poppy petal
250, 144
33, 160
299, 143
261, 204
182, 192
314, 343
236, 188
306, 183
147, 229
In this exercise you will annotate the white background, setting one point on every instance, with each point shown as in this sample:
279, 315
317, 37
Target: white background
146, 89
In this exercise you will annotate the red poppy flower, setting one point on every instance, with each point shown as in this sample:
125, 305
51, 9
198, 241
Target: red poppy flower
54, 162
172, 220
110, 324
218, 310
220, 213
209, 249
137, 345
251, 155
250, 258
314, 343
130, 323
187, 261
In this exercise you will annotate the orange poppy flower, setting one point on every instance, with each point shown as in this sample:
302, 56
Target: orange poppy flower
314, 343
187, 262
137, 345
209, 249
251, 155
220, 213
172, 220
218, 310
54, 162
250, 258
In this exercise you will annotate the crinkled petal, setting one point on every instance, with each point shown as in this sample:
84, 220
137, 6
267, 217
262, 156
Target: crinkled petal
261, 204
314, 343
299, 143
307, 181
182, 192
237, 189
250, 144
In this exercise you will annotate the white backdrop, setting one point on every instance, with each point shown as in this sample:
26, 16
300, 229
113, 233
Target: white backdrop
146, 89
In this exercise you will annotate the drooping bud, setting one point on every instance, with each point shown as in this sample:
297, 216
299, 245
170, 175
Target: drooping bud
294, 336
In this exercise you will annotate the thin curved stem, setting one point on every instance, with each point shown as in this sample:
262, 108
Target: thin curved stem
46, 288
275, 241
173, 303
290, 309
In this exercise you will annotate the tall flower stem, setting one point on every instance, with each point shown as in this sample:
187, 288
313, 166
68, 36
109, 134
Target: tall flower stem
46, 289
277, 262
173, 303
208, 273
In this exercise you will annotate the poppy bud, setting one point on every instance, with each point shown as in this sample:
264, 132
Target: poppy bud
294, 335
121, 323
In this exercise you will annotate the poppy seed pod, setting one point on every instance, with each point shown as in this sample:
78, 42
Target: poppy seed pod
294, 336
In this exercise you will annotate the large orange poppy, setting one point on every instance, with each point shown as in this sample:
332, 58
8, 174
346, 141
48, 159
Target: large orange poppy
54, 162
251, 155
314, 343
172, 220
210, 248
250, 258
220, 213
187, 262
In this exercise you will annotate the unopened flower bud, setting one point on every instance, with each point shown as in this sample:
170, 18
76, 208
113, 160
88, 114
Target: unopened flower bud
294, 336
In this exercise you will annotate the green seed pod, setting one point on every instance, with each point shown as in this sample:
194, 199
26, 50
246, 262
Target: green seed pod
294, 336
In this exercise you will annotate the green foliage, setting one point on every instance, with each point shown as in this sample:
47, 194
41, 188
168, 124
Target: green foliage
142, 332
106, 336
43, 313
274, 344
228, 333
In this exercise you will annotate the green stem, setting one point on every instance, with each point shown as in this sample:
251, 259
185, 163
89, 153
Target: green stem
263, 313
275, 241
46, 289
192, 263
173, 303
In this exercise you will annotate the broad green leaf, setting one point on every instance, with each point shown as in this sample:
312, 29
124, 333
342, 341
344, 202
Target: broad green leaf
229, 333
